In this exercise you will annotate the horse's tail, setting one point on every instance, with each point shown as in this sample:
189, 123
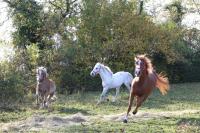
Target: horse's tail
130, 77
162, 83
128, 80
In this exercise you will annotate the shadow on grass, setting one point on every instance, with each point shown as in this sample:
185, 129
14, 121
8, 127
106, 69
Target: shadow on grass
11, 109
189, 122
72, 111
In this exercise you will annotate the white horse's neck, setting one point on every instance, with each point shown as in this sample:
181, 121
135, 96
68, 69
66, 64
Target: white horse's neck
105, 74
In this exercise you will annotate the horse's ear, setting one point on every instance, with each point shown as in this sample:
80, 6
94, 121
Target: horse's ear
102, 60
98, 63
136, 57
45, 69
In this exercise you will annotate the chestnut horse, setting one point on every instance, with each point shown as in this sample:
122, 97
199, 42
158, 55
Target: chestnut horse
45, 88
146, 79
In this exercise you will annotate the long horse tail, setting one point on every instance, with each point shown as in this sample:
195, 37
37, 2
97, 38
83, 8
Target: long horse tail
162, 83
130, 77
128, 80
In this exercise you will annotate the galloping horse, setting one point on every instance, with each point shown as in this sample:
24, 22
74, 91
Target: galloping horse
110, 80
146, 79
45, 88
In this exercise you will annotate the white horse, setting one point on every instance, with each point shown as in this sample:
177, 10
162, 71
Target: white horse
110, 80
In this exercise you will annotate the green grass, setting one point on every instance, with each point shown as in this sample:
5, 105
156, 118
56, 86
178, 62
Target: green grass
185, 124
181, 97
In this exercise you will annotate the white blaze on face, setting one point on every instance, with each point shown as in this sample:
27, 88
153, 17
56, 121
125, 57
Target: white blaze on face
137, 68
96, 69
39, 73
38, 76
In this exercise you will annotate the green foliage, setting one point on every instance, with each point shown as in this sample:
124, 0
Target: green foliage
10, 85
27, 21
69, 37
112, 33
176, 11
33, 54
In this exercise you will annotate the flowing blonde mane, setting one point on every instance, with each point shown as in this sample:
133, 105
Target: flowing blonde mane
147, 62
43, 69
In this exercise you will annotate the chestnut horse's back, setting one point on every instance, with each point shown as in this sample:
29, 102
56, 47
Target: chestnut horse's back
162, 83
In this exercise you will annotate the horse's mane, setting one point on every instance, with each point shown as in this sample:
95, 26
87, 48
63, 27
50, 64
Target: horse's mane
44, 70
107, 68
147, 62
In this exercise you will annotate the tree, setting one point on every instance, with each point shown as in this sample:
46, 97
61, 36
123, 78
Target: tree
27, 20
176, 11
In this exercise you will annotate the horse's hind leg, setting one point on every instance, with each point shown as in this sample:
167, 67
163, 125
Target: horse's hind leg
117, 93
131, 98
139, 101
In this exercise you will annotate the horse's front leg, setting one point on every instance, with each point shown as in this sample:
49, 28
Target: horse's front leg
46, 100
42, 101
37, 99
131, 98
103, 94
139, 101
37, 94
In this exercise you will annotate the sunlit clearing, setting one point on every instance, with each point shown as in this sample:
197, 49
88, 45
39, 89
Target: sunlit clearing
6, 52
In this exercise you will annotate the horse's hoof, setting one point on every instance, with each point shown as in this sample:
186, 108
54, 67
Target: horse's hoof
46, 106
37, 105
50, 110
125, 121
98, 103
134, 112
107, 99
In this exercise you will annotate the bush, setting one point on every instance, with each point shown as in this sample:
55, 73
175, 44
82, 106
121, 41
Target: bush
11, 85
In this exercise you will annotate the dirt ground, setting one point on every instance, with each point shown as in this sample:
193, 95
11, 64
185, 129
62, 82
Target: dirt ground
38, 122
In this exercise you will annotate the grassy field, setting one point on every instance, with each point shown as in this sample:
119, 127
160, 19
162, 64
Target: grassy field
178, 111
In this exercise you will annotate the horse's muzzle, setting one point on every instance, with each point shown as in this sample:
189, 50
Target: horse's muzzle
92, 74
137, 73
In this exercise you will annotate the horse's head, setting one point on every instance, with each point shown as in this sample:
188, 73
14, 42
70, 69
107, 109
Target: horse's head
41, 74
96, 69
140, 65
